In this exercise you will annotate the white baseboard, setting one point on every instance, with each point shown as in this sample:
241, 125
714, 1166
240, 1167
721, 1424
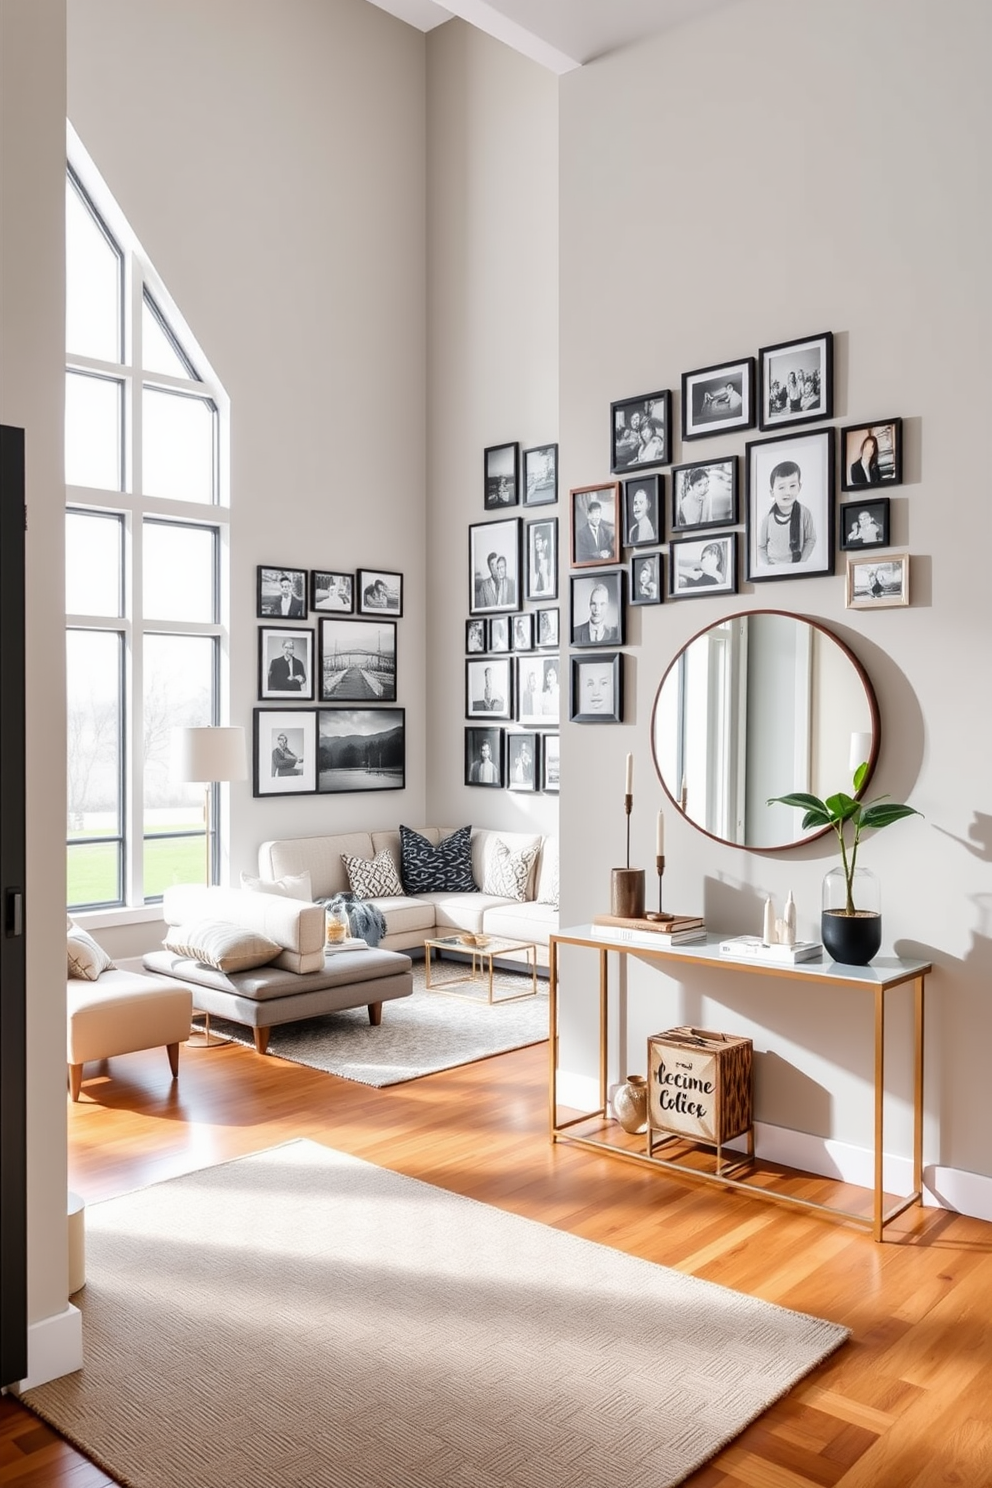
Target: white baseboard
55, 1347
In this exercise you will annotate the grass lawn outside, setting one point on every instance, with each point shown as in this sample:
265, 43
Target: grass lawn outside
92, 867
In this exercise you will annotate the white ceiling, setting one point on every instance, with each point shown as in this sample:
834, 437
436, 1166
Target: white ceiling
560, 34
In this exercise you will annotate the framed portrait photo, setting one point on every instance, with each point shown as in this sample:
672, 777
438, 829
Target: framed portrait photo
597, 688
547, 628
484, 756
522, 761
284, 752
877, 583
641, 431
282, 593
476, 637
332, 591
871, 455
796, 382
597, 609
379, 592
502, 475
285, 663
494, 566
704, 495
541, 546
864, 524
357, 661
360, 749
489, 688
522, 632
642, 498
499, 633
595, 519
702, 565
551, 763
790, 510
538, 692
645, 579
718, 400
541, 475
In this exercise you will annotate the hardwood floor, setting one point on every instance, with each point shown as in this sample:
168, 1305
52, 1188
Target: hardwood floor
907, 1403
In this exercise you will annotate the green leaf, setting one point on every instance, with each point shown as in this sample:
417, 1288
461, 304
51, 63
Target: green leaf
843, 807
859, 775
884, 813
804, 802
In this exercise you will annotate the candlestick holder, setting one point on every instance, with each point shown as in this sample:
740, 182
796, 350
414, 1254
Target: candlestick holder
628, 806
659, 913
627, 884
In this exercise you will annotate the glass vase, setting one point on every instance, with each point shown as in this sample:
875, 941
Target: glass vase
336, 926
851, 938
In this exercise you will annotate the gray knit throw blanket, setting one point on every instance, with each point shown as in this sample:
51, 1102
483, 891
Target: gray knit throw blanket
365, 922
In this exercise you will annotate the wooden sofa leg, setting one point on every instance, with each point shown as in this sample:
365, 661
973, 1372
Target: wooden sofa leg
261, 1040
75, 1080
173, 1052
375, 1013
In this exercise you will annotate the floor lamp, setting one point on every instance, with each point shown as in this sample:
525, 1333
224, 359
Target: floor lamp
208, 757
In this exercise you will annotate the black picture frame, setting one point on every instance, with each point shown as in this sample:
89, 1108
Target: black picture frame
539, 690
523, 753
499, 634
864, 524
541, 546
540, 475
271, 591
379, 592
284, 751
645, 579
596, 688
490, 543
285, 663
331, 592
642, 510
501, 476
704, 494
547, 627
357, 661
701, 567
476, 637
885, 470
595, 524
360, 749
634, 443
782, 402
484, 749
522, 631
585, 610
718, 399
489, 687
550, 764
778, 460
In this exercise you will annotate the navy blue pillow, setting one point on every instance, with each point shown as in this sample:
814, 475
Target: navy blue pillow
426, 869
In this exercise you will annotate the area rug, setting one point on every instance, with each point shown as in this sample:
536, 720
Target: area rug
303, 1319
418, 1035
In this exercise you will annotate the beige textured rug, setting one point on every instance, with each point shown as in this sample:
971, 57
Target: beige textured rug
302, 1319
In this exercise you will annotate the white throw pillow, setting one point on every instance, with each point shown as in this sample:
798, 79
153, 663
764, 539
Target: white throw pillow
373, 878
86, 959
551, 893
292, 886
223, 946
508, 873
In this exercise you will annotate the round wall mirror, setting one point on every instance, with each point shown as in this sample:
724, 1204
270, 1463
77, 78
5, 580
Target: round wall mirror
758, 705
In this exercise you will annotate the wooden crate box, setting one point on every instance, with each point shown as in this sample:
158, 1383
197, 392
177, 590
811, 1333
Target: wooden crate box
699, 1085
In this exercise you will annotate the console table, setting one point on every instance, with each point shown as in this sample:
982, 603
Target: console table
885, 974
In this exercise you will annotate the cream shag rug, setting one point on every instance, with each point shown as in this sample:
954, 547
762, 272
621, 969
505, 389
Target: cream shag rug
302, 1319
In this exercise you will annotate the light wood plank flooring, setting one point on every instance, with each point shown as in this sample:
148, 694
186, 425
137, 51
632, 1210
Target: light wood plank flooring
906, 1404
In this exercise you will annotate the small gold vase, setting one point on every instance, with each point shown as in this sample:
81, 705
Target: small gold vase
630, 1104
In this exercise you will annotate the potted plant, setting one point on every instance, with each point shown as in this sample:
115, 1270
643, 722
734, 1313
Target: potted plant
852, 933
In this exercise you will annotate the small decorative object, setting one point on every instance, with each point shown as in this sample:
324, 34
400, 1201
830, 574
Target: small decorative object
877, 583
597, 688
779, 930
718, 400
698, 566
641, 431
627, 884
595, 524
790, 506
871, 454
699, 1085
865, 524
851, 932
796, 381
659, 858
336, 925
379, 592
630, 1104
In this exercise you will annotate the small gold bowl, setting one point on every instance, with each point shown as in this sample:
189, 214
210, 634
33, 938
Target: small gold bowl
467, 937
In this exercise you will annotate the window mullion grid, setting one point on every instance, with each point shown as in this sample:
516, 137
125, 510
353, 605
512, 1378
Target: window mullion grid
134, 702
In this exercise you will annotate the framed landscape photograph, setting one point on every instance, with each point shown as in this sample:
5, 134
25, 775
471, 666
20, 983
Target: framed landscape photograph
865, 524
542, 559
484, 756
499, 633
522, 761
597, 609
360, 749
522, 632
379, 592
790, 506
551, 763
704, 495
357, 661
494, 566
502, 475
489, 687
547, 628
796, 381
476, 638
282, 593
702, 565
717, 400
871, 455
538, 691
597, 688
642, 496
645, 579
284, 752
877, 583
332, 591
541, 475
641, 431
595, 518
285, 663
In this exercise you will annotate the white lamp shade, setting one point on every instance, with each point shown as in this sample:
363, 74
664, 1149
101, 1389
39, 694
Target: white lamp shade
209, 754
860, 749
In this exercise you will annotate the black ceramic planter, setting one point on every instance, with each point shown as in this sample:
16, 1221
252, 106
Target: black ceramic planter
851, 939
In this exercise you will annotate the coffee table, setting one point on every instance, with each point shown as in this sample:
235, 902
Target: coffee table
496, 945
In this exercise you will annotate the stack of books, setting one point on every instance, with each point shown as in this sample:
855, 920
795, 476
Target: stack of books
679, 930
753, 948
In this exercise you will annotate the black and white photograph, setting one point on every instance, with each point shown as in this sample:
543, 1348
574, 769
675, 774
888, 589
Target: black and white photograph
484, 756
597, 688
551, 763
641, 431
502, 475
361, 749
871, 455
494, 566
522, 632
642, 497
476, 638
718, 400
332, 591
489, 687
645, 579
864, 524
538, 691
499, 633
542, 558
704, 494
702, 565
285, 663
790, 510
357, 661
547, 628
597, 609
877, 583
379, 592
795, 381
522, 761
282, 593
284, 752
595, 514
541, 475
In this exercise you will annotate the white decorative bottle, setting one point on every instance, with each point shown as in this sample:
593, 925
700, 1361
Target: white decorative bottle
789, 936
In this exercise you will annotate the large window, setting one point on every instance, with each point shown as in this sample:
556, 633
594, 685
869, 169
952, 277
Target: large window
146, 539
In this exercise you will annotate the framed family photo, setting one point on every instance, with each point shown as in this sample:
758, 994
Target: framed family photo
332, 591
502, 475
597, 609
360, 749
489, 687
541, 475
285, 663
641, 431
718, 400
551, 763
865, 524
284, 752
494, 566
595, 524
522, 632
796, 381
484, 756
538, 695
542, 558
702, 565
547, 628
476, 638
790, 506
597, 688
282, 593
642, 497
379, 592
877, 583
357, 661
704, 494
522, 751
645, 579
499, 633
871, 455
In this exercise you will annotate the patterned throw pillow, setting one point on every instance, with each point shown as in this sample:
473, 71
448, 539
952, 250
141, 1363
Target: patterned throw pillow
223, 946
436, 870
86, 959
508, 873
373, 878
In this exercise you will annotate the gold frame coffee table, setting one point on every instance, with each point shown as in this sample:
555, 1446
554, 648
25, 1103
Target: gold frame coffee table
493, 946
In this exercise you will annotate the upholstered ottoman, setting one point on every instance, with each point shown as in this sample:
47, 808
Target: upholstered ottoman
120, 1013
